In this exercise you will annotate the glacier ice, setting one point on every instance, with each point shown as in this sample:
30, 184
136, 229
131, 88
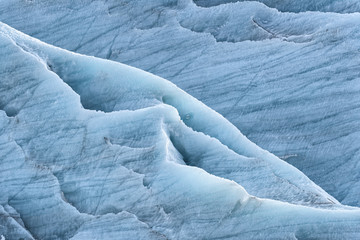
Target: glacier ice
341, 6
95, 149
92, 148
289, 81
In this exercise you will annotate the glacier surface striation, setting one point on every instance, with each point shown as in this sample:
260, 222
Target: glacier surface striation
95, 149
287, 76
92, 148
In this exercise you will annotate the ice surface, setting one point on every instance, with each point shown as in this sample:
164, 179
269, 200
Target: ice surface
341, 6
92, 148
293, 89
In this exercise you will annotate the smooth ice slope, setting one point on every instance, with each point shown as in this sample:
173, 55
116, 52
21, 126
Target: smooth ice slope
95, 149
292, 89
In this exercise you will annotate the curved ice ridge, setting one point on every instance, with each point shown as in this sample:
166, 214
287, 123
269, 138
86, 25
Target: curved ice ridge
109, 172
289, 82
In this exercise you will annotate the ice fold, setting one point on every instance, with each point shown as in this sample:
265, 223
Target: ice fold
86, 142
289, 81
283, 72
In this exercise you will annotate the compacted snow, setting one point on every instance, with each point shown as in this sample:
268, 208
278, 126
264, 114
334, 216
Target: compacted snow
286, 77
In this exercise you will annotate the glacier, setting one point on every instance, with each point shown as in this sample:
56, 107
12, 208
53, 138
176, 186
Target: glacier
86, 142
73, 161
96, 149
339, 6
286, 73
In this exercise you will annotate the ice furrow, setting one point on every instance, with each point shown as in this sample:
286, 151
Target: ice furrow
129, 157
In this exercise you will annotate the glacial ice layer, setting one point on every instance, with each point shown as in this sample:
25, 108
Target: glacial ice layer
92, 148
286, 73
